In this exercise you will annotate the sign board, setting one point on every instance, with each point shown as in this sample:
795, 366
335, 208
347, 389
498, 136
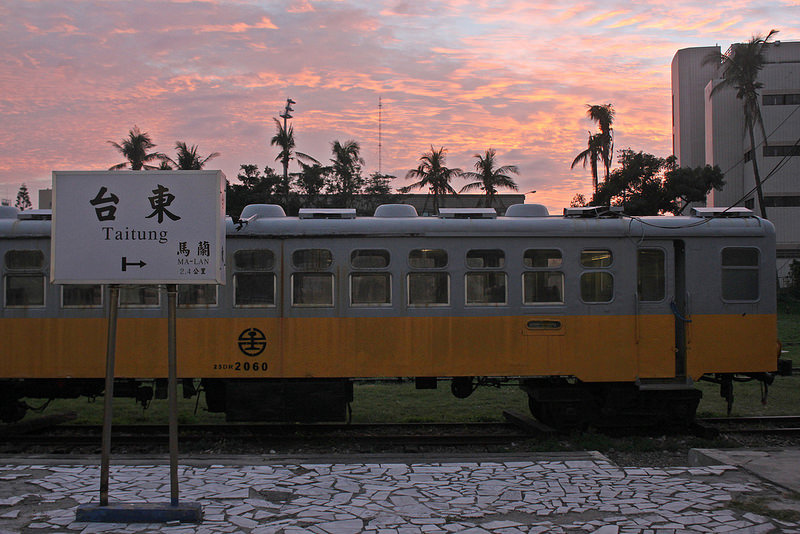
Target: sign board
138, 227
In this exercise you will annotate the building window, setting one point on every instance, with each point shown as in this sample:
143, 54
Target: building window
312, 259
25, 279
312, 290
192, 295
596, 258
486, 288
740, 273
792, 99
254, 283
781, 150
81, 296
139, 296
544, 285
542, 258
369, 259
788, 201
486, 259
651, 275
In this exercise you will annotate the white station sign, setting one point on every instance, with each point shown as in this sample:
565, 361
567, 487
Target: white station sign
130, 227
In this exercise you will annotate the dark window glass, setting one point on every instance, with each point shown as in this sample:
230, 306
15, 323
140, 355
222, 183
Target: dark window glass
139, 296
24, 259
312, 289
254, 260
597, 287
486, 288
486, 259
542, 287
312, 259
370, 289
428, 289
81, 296
197, 294
254, 289
544, 258
369, 259
740, 273
24, 290
651, 275
595, 258
427, 258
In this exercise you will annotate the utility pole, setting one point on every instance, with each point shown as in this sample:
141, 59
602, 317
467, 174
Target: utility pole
287, 114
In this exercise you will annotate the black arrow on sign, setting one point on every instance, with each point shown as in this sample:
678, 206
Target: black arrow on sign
126, 263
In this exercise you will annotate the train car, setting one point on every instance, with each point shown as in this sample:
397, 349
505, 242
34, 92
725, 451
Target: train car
596, 315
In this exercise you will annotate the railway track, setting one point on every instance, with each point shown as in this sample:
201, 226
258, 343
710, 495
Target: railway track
268, 436
782, 425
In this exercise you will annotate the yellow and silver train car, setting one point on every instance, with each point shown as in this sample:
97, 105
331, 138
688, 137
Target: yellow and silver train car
595, 315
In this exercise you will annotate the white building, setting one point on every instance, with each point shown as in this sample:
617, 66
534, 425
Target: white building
711, 130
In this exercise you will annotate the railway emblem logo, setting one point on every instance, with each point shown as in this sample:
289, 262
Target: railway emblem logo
252, 342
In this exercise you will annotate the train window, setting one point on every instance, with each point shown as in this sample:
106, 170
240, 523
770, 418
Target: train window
139, 296
540, 287
596, 258
81, 296
312, 289
197, 295
542, 258
254, 260
369, 259
651, 275
254, 290
20, 260
428, 289
312, 259
597, 287
486, 288
486, 259
370, 289
427, 258
24, 290
740, 273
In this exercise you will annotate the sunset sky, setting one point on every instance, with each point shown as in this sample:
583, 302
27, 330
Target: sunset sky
468, 75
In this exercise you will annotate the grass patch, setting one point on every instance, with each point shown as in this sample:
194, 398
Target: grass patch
765, 507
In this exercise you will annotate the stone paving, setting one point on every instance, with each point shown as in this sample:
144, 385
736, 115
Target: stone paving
502, 497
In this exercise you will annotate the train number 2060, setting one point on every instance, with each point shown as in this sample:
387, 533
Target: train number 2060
241, 366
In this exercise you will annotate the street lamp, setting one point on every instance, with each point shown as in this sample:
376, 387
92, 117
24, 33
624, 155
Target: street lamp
287, 114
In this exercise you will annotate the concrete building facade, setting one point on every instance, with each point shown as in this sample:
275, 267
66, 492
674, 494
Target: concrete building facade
711, 130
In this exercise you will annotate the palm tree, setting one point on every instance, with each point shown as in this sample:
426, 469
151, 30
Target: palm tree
188, 159
284, 138
590, 155
433, 173
740, 67
603, 115
346, 169
488, 178
135, 148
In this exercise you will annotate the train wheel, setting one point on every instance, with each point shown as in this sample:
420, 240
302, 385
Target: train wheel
12, 411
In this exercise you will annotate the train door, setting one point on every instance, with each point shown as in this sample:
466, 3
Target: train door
659, 278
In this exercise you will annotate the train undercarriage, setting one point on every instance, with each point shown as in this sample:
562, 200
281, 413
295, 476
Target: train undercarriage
563, 403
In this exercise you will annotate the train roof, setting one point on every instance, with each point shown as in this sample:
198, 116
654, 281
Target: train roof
269, 221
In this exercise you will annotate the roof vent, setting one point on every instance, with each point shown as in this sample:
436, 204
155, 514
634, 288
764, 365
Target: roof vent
8, 212
593, 212
722, 212
393, 211
467, 213
35, 215
527, 210
262, 211
327, 213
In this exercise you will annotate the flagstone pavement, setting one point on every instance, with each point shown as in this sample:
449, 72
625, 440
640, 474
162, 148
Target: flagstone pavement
570, 494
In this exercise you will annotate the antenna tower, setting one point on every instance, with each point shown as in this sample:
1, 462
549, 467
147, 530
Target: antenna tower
380, 136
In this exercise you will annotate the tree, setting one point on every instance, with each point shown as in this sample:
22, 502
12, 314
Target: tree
23, 201
578, 201
740, 67
590, 155
255, 188
311, 180
188, 159
603, 115
376, 191
346, 180
489, 178
645, 184
135, 150
433, 174
284, 138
